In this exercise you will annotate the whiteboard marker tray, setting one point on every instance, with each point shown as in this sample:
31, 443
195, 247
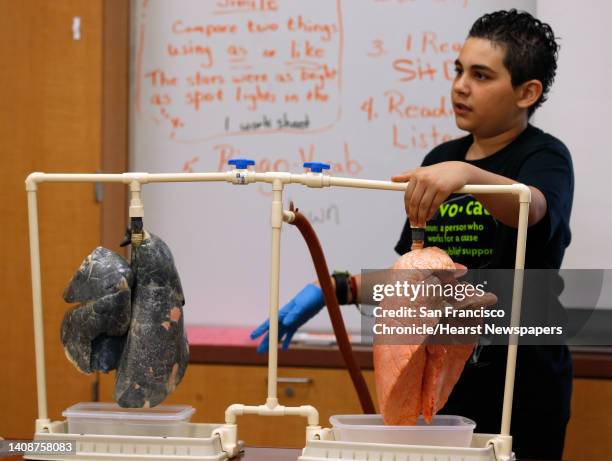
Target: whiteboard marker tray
329, 449
198, 445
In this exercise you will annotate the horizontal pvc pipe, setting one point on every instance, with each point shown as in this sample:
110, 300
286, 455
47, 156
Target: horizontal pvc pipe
126, 178
309, 179
515, 189
35, 178
190, 177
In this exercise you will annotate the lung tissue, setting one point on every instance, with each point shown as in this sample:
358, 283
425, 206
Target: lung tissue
129, 318
415, 378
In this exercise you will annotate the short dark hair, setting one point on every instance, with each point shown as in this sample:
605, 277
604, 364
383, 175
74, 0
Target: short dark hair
530, 46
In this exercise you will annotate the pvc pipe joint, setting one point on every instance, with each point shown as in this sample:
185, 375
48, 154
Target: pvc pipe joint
242, 176
277, 214
32, 180
315, 180
136, 209
314, 433
42, 425
502, 446
228, 436
141, 177
288, 216
272, 403
523, 192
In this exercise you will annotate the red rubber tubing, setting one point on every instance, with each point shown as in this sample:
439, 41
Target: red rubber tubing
329, 294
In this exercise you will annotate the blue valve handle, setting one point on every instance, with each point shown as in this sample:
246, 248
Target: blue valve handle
241, 163
316, 167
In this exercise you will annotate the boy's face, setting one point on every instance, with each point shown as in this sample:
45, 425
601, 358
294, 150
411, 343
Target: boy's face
484, 100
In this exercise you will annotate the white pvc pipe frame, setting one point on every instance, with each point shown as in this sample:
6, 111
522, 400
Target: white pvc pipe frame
228, 432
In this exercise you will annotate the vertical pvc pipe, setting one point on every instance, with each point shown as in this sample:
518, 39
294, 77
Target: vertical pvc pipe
276, 222
515, 318
39, 339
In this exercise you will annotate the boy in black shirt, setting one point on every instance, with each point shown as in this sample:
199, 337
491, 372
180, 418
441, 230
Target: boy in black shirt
503, 73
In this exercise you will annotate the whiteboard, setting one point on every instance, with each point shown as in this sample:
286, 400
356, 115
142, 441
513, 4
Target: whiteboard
361, 84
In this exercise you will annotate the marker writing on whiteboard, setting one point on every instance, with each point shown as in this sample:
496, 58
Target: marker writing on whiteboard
326, 214
329, 214
284, 122
264, 122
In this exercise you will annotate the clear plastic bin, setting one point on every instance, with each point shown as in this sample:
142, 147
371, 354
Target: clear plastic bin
444, 430
111, 419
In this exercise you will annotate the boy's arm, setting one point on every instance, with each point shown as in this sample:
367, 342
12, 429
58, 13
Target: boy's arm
505, 207
430, 186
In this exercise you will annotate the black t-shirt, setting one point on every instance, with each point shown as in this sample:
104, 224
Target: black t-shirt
473, 237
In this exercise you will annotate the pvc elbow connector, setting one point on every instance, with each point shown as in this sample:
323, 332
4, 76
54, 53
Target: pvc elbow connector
236, 409
311, 413
524, 192
31, 182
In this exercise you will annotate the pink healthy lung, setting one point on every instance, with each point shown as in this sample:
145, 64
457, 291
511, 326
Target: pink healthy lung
416, 378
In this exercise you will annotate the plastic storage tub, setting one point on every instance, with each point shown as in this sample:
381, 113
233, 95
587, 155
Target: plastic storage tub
444, 430
111, 419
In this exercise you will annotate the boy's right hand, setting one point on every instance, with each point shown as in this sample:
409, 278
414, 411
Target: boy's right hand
305, 305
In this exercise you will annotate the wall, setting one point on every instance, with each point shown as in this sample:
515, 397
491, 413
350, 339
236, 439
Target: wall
54, 95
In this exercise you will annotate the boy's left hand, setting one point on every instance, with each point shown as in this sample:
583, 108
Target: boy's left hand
429, 186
